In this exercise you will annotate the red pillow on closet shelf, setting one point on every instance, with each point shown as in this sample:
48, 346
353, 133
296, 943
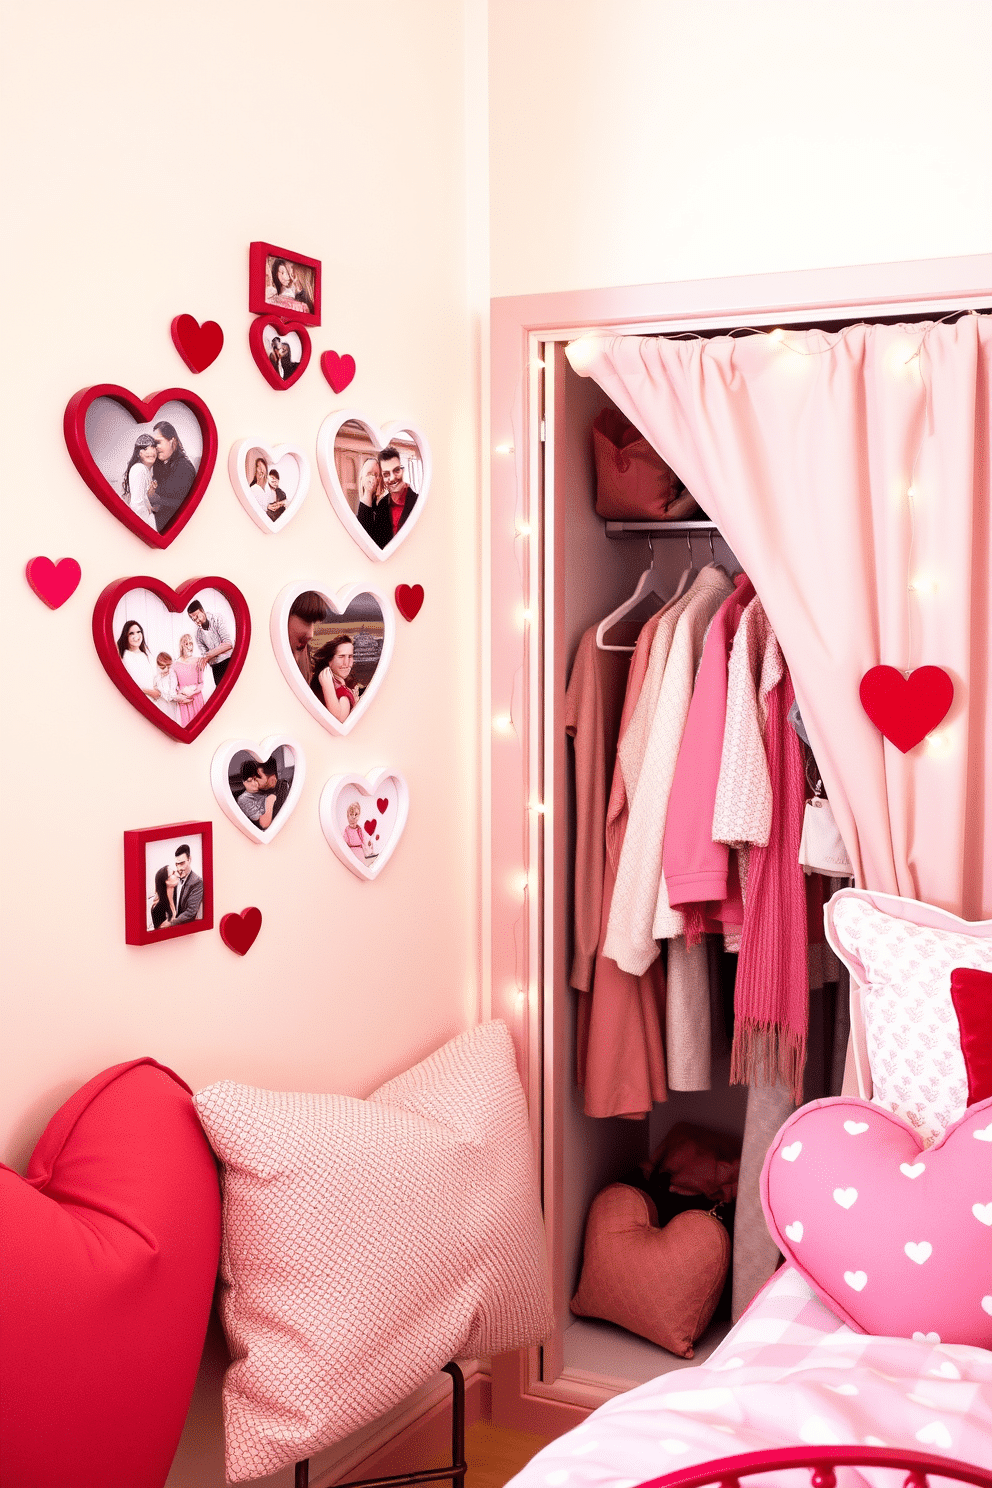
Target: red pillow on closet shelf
111, 1245
633, 483
971, 994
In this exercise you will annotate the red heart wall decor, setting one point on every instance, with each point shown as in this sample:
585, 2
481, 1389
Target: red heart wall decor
905, 709
240, 931
107, 482
53, 582
383, 804
259, 345
106, 634
409, 598
198, 345
338, 370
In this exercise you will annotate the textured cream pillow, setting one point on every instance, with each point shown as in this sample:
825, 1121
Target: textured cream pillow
367, 1242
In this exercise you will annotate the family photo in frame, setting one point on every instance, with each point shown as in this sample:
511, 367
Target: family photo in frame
337, 654
176, 660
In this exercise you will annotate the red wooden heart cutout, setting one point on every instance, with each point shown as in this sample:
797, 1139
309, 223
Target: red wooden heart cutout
382, 802
143, 411
261, 356
339, 370
197, 344
905, 709
409, 598
240, 931
53, 582
370, 826
176, 600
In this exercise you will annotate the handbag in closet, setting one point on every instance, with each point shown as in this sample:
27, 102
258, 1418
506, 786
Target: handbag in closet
633, 482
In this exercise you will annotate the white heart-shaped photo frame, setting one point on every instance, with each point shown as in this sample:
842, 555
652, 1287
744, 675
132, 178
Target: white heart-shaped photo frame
343, 612
363, 816
286, 461
226, 774
346, 441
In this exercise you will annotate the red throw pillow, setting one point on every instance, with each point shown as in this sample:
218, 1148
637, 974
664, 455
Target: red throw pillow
971, 994
111, 1245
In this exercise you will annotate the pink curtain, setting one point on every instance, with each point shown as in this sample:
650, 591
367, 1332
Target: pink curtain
802, 447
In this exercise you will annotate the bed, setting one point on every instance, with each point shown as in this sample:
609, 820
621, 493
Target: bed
789, 1374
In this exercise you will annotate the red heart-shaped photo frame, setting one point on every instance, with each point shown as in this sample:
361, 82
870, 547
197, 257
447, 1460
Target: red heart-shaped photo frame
260, 355
175, 600
142, 411
198, 345
905, 709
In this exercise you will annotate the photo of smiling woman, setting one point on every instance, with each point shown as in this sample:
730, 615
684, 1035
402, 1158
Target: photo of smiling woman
332, 666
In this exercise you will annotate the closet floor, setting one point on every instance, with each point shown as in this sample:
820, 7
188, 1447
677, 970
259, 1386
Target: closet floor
602, 1349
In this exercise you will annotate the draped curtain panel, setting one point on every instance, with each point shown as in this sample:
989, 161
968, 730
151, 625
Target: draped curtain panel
802, 446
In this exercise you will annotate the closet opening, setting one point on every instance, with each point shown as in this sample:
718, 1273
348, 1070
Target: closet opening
557, 569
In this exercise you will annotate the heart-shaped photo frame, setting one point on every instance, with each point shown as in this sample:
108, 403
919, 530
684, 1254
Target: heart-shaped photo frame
334, 650
280, 349
170, 665
363, 817
377, 480
270, 481
258, 785
147, 459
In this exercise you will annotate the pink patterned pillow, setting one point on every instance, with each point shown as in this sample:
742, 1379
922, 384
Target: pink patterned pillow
894, 1236
901, 954
367, 1242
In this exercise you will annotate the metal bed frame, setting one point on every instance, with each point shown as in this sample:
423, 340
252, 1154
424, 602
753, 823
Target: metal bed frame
822, 1463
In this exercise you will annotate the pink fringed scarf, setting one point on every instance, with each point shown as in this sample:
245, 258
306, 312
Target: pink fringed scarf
771, 1000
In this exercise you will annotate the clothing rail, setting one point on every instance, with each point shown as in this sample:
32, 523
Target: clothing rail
456, 1468
645, 529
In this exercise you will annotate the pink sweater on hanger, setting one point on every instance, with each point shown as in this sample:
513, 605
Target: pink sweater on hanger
696, 867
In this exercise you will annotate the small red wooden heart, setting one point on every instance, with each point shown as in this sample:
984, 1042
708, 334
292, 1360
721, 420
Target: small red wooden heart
382, 802
240, 931
284, 328
905, 709
176, 600
197, 344
339, 370
409, 598
53, 582
370, 826
142, 411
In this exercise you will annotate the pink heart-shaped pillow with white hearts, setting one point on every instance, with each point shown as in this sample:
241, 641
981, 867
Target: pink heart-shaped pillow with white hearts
896, 1238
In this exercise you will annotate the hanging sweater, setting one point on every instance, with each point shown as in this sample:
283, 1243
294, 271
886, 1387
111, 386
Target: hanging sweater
593, 702
639, 890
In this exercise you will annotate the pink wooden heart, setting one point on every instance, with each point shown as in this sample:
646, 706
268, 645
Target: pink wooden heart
409, 598
339, 370
198, 345
53, 582
896, 1238
240, 931
905, 709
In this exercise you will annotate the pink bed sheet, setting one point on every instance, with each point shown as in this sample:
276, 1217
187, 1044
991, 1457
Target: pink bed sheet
789, 1372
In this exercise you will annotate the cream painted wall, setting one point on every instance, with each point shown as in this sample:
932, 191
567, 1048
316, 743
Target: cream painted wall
151, 147
638, 141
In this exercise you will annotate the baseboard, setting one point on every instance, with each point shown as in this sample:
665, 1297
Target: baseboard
408, 1437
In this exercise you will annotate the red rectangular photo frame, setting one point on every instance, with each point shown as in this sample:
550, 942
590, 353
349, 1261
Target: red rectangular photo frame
302, 288
146, 881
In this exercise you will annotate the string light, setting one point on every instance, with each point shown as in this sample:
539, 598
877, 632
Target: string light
777, 335
503, 723
538, 807
523, 529
527, 616
504, 449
